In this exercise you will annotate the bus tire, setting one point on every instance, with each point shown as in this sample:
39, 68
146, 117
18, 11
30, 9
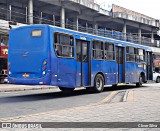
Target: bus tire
145, 82
90, 89
98, 83
158, 80
139, 84
115, 85
66, 90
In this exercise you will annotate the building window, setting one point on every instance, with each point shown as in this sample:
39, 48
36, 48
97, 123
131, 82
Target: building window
98, 51
4, 39
130, 54
63, 45
109, 51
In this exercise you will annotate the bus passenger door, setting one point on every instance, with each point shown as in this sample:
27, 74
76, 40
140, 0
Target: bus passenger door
149, 65
83, 63
120, 60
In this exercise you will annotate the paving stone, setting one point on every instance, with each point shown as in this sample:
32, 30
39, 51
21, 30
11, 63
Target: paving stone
145, 107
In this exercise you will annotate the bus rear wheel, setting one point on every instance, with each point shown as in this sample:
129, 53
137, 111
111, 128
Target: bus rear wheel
139, 84
66, 90
98, 83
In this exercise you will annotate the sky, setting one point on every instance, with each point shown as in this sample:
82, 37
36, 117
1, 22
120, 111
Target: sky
149, 8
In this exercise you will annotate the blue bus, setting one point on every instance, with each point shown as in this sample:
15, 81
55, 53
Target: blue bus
49, 55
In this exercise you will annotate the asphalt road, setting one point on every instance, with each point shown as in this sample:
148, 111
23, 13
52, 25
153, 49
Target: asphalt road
37, 101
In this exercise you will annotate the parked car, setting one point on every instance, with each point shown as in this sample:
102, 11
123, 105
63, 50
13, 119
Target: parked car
156, 77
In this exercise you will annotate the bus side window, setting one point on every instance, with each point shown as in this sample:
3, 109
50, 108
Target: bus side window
140, 55
56, 44
63, 45
130, 54
109, 51
78, 49
98, 51
58, 49
85, 52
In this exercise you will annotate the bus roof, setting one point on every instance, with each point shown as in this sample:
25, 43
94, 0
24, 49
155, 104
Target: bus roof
73, 32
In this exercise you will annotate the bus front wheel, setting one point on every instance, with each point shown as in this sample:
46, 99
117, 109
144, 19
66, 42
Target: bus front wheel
66, 90
139, 84
98, 83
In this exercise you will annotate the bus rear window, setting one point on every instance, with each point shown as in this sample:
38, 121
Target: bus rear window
36, 33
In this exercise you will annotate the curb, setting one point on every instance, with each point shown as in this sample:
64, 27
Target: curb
129, 96
13, 89
125, 96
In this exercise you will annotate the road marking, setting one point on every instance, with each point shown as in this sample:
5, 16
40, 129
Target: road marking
108, 98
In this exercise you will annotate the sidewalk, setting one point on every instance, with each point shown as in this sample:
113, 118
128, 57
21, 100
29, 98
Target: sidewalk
11, 87
140, 105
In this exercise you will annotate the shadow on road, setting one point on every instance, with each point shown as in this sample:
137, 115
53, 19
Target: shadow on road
57, 95
124, 87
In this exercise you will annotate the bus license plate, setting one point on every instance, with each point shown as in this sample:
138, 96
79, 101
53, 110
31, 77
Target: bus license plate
26, 75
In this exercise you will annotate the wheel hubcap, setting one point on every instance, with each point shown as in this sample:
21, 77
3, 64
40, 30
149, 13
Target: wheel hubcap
99, 83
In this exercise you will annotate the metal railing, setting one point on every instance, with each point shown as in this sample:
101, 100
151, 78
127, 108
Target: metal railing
15, 16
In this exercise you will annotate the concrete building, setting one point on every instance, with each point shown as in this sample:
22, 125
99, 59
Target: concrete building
81, 15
